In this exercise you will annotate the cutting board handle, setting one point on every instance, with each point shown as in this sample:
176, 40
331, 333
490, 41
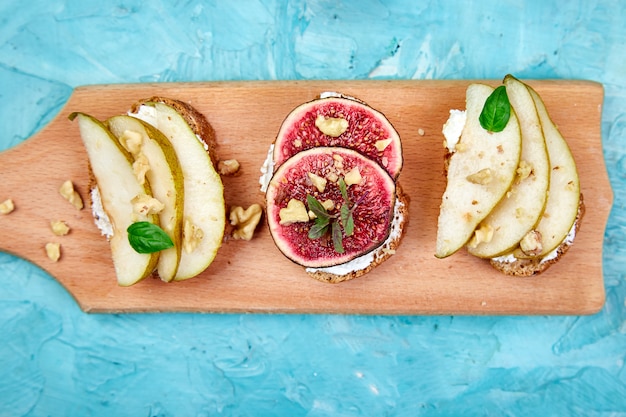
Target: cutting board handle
32, 173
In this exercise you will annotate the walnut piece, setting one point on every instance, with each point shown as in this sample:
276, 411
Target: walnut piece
382, 144
144, 204
7, 206
141, 166
328, 204
332, 176
524, 170
482, 177
353, 176
59, 227
132, 141
71, 195
245, 221
293, 213
460, 147
53, 251
331, 126
482, 234
192, 236
318, 182
228, 167
531, 244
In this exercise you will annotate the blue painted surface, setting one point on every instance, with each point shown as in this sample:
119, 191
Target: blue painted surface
56, 360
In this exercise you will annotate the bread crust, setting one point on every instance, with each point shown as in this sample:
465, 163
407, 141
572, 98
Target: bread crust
196, 121
382, 253
531, 267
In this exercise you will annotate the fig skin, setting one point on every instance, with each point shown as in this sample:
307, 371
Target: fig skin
366, 127
375, 195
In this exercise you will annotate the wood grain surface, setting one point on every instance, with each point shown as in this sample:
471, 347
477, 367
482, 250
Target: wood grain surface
253, 276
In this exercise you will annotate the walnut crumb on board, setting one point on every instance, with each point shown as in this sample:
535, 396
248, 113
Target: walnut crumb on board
7, 206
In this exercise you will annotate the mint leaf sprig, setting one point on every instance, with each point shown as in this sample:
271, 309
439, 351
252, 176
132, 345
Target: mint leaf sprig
325, 222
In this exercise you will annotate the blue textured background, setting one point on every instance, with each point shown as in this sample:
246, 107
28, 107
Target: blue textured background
56, 360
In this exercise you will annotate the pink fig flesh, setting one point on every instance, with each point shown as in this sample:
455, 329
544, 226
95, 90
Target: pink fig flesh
368, 132
372, 200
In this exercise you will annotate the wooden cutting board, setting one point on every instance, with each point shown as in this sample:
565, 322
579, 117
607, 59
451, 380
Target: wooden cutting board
253, 276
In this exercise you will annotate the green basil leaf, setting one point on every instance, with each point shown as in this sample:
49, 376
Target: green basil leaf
316, 207
146, 237
337, 237
496, 111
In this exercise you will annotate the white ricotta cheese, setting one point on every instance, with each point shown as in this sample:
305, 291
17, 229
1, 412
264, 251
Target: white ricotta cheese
453, 128
146, 113
327, 94
100, 217
267, 170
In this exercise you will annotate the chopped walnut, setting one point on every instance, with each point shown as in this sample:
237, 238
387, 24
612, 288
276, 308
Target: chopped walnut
228, 167
7, 206
524, 170
353, 176
245, 221
460, 147
144, 204
294, 212
483, 234
318, 182
132, 141
482, 177
328, 204
338, 162
192, 236
59, 227
332, 176
141, 166
382, 144
331, 126
71, 195
531, 244
53, 251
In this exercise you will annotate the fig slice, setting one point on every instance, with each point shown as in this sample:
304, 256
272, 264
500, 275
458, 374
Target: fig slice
319, 173
340, 121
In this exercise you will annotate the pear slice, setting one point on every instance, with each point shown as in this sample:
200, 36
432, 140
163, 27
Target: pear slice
480, 172
165, 176
520, 211
204, 215
564, 194
112, 169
